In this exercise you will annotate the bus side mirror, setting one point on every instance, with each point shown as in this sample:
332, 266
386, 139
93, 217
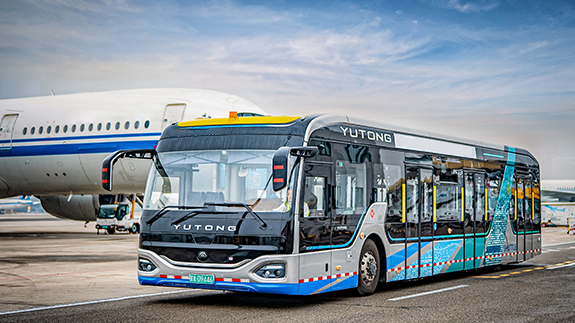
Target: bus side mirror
280, 163
280, 168
108, 163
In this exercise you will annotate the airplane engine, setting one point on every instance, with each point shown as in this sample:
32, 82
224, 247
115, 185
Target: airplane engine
79, 207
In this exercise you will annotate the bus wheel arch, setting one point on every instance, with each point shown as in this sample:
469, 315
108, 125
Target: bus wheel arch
382, 258
369, 268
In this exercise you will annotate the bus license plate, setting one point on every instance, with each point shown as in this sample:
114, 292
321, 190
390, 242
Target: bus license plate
202, 279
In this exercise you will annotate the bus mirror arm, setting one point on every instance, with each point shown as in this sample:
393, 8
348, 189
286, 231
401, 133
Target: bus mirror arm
280, 163
108, 163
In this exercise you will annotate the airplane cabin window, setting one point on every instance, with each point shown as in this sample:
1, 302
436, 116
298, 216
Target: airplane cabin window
40, 130
57, 129
49, 129
127, 125
136, 124
73, 128
91, 127
117, 125
32, 130
82, 127
147, 124
65, 129
24, 131
99, 126
108, 126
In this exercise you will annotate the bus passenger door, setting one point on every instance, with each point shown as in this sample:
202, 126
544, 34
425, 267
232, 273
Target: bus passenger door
520, 218
529, 218
419, 210
426, 221
412, 243
315, 224
468, 220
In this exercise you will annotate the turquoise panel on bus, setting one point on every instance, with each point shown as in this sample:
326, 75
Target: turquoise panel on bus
479, 252
496, 238
441, 253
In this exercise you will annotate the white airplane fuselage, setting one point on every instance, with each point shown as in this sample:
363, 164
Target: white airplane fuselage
54, 145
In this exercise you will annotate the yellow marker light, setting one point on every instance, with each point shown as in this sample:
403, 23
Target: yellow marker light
486, 205
532, 208
434, 203
362, 235
403, 210
233, 114
258, 120
337, 267
462, 204
516, 206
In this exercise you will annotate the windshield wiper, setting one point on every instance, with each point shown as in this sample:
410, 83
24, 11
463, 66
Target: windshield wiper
263, 224
165, 210
208, 208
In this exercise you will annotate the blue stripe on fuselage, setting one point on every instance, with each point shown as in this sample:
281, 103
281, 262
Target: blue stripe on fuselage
77, 148
79, 145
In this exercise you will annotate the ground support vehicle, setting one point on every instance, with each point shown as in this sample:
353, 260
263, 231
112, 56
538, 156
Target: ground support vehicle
116, 217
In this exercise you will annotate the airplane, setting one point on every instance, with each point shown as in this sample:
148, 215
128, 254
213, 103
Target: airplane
52, 147
9, 204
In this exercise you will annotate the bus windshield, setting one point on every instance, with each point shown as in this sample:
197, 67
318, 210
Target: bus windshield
193, 178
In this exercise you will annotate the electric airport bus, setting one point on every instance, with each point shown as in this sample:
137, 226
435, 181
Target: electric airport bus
306, 205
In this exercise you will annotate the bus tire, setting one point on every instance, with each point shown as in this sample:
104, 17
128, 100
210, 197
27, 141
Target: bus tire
135, 228
369, 267
111, 230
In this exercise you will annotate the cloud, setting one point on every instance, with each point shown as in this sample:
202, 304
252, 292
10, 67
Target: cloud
468, 6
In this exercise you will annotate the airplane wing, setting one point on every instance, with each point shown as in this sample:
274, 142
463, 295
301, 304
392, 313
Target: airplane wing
557, 196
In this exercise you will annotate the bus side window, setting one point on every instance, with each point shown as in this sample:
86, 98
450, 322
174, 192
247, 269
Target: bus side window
314, 197
350, 182
449, 183
379, 188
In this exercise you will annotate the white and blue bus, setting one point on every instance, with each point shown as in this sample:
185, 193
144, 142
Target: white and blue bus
306, 205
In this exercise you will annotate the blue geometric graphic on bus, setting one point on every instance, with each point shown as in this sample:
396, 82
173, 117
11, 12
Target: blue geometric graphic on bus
322, 286
412, 251
444, 251
286, 289
496, 238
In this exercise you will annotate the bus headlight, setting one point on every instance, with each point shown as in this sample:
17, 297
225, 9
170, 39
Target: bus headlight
145, 265
272, 271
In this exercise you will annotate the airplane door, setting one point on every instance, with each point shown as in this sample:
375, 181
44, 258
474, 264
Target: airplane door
173, 113
6, 130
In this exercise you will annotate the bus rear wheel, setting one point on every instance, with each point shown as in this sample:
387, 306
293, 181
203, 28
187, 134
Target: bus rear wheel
368, 268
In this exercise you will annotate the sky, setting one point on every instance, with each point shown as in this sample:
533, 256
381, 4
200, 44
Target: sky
498, 71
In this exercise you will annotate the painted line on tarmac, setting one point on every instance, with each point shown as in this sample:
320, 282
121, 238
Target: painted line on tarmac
557, 244
61, 274
427, 293
107, 300
562, 266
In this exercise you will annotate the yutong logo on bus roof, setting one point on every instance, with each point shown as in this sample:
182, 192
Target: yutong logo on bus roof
367, 134
207, 227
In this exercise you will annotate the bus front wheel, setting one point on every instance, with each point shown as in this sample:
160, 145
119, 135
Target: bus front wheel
368, 268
